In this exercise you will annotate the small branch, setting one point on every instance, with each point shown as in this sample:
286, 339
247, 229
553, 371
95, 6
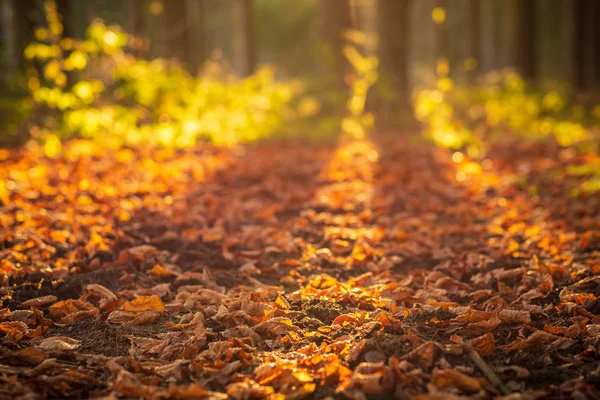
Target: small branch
487, 371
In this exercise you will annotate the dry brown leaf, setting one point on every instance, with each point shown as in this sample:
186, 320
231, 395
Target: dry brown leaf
443, 379
372, 378
72, 310
485, 325
132, 317
539, 338
40, 301
472, 316
484, 344
32, 355
424, 354
143, 255
191, 392
58, 343
15, 329
515, 316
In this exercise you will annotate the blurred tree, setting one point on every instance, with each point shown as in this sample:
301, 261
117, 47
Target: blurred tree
595, 24
394, 91
585, 43
288, 37
577, 43
175, 31
473, 42
65, 9
335, 20
28, 15
525, 56
195, 20
136, 10
8, 49
440, 14
244, 45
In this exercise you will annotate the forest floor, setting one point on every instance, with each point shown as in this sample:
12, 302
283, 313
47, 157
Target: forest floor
359, 270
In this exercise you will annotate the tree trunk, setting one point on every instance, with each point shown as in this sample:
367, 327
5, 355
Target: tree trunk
136, 24
442, 33
195, 14
596, 45
9, 35
577, 43
335, 18
473, 39
524, 41
65, 10
394, 41
592, 44
28, 16
175, 31
245, 51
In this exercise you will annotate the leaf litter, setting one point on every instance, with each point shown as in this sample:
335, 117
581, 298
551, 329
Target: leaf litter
364, 270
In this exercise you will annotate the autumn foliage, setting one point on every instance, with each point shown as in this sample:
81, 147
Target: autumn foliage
365, 270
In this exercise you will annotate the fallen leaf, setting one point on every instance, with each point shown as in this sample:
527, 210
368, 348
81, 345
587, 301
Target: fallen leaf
484, 344
515, 316
145, 303
58, 343
40, 301
443, 379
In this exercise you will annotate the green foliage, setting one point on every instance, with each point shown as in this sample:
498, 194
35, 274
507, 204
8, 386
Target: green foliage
501, 103
99, 91
474, 117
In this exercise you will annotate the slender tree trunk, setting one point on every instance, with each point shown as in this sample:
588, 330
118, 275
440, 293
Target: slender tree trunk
592, 44
596, 45
175, 31
524, 41
28, 15
442, 33
137, 24
135, 17
335, 18
473, 39
195, 15
577, 43
245, 51
65, 10
9, 35
499, 55
394, 42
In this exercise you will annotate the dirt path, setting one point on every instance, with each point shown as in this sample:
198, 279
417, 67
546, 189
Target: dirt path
363, 270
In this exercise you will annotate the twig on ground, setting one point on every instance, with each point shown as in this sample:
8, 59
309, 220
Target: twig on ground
487, 371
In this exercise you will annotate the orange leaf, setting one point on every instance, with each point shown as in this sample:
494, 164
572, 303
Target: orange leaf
344, 318
513, 246
473, 316
14, 329
160, 272
484, 345
453, 378
145, 303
